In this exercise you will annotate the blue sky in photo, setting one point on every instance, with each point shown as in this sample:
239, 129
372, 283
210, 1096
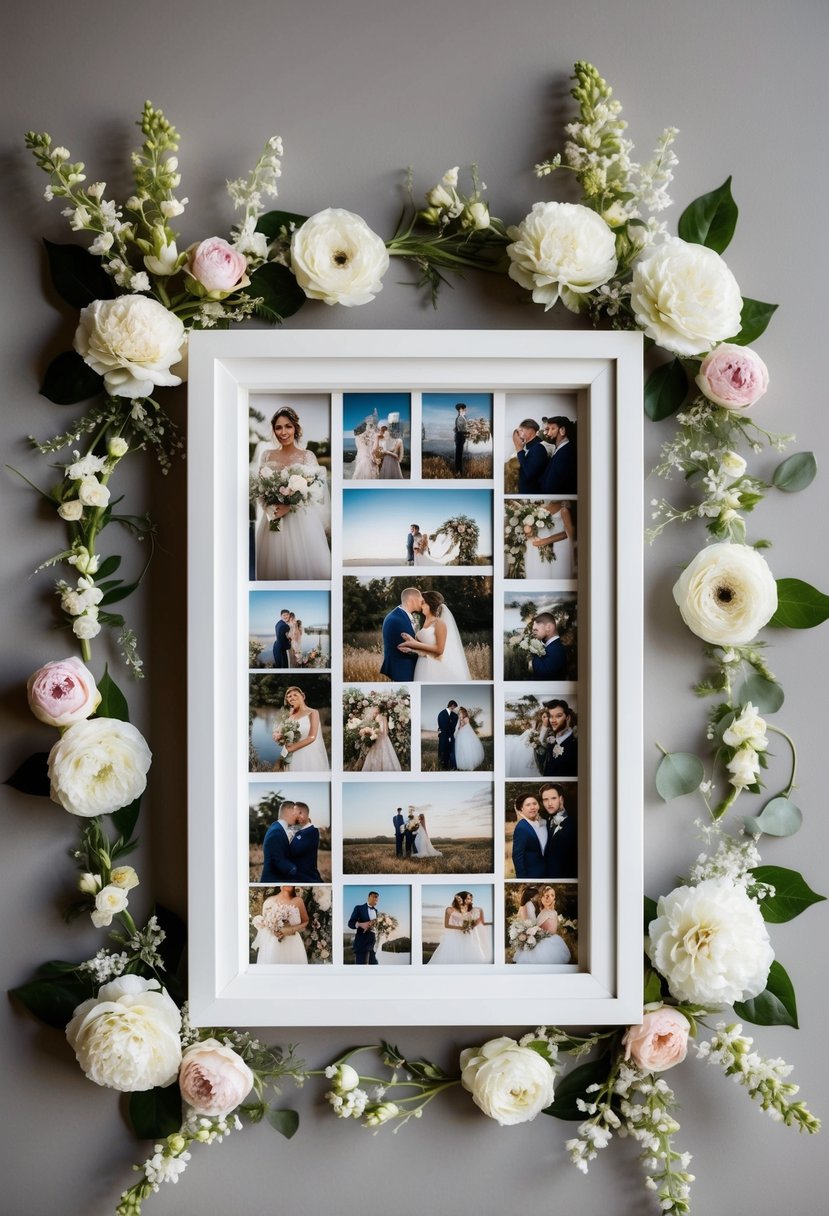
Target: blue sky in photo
454, 809
375, 522
439, 412
394, 900
433, 698
436, 899
358, 406
312, 607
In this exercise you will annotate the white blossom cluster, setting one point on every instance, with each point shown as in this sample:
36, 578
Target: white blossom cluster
764, 1079
734, 859
145, 943
105, 966
248, 194
208, 1130
446, 203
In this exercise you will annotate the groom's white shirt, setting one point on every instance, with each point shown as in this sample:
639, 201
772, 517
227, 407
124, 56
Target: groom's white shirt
372, 912
541, 832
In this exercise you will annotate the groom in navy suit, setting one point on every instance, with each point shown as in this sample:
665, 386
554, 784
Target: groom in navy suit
282, 645
552, 665
447, 722
365, 939
396, 665
560, 475
530, 840
532, 456
410, 539
305, 845
278, 865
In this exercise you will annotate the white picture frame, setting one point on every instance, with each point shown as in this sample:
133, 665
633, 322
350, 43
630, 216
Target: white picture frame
603, 374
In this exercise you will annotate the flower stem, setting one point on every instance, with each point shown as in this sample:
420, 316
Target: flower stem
777, 730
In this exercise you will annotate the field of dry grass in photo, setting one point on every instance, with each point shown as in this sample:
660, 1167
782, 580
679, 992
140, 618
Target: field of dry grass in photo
439, 468
363, 655
458, 857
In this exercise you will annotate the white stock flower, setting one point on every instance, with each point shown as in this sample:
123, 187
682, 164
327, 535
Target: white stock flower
84, 466
124, 877
98, 766
743, 768
726, 594
127, 1038
748, 728
132, 342
337, 258
509, 1083
102, 244
164, 259
87, 626
561, 249
711, 944
684, 297
117, 447
109, 901
92, 493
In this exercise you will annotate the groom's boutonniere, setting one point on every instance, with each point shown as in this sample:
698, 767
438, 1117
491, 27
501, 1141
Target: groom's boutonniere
558, 820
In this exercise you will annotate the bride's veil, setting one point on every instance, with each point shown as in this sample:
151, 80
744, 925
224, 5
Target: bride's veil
454, 657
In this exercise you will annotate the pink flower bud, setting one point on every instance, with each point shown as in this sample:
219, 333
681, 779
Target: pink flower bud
733, 377
660, 1042
62, 692
217, 266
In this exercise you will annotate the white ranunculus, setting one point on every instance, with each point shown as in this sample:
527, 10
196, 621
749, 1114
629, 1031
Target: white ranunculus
98, 766
726, 594
748, 728
109, 901
509, 1083
337, 258
85, 628
127, 1038
561, 249
684, 297
131, 341
711, 944
92, 493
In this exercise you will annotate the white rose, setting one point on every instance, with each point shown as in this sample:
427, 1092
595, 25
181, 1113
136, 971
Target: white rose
132, 342
98, 766
726, 594
85, 628
71, 510
561, 249
127, 1038
710, 943
684, 297
337, 258
297, 485
733, 464
109, 902
92, 493
749, 728
743, 768
509, 1083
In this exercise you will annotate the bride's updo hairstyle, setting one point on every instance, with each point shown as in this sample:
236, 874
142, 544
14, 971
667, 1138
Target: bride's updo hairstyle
435, 601
293, 688
293, 417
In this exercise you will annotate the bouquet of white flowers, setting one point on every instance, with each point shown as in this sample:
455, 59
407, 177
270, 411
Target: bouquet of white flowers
526, 934
295, 486
478, 430
288, 731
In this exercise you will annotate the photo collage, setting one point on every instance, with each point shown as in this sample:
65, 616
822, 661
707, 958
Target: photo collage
413, 677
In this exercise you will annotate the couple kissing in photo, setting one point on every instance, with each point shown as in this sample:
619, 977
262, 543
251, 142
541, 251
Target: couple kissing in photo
429, 653
291, 846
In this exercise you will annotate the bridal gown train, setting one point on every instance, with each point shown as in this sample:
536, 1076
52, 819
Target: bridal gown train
423, 846
451, 667
381, 756
299, 550
550, 949
469, 751
521, 759
534, 564
270, 949
314, 757
456, 947
365, 466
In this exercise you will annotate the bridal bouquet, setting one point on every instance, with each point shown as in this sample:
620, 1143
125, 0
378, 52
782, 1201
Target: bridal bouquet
287, 732
521, 524
275, 917
526, 642
295, 486
384, 926
526, 934
478, 430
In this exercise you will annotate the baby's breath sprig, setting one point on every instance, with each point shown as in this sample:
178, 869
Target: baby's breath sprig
411, 1086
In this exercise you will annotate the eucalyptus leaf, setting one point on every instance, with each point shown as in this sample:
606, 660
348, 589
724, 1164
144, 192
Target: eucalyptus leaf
32, 776
78, 276
792, 894
665, 390
279, 291
779, 817
710, 219
799, 605
679, 773
113, 702
273, 222
775, 1006
155, 1113
765, 695
69, 380
574, 1085
285, 1122
796, 472
754, 320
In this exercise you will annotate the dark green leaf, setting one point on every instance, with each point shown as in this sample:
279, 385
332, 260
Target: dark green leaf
113, 702
172, 948
776, 1006
124, 821
155, 1113
285, 1122
754, 320
651, 911
710, 219
55, 967
272, 222
69, 380
108, 566
574, 1085
679, 773
765, 695
653, 986
665, 390
799, 605
78, 276
32, 776
792, 894
53, 1000
780, 817
119, 593
281, 295
795, 473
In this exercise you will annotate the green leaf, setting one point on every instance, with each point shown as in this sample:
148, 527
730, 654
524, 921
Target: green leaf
792, 894
653, 986
272, 222
32, 776
119, 593
754, 320
78, 276
155, 1113
281, 295
796, 472
124, 821
285, 1122
108, 566
765, 695
776, 1006
799, 605
574, 1085
69, 380
651, 911
780, 817
679, 773
113, 702
665, 390
710, 220
53, 1000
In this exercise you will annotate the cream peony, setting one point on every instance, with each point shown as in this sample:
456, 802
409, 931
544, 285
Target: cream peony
127, 1038
213, 1078
561, 249
510, 1084
62, 692
726, 594
132, 342
685, 297
98, 766
660, 1042
733, 377
337, 258
710, 943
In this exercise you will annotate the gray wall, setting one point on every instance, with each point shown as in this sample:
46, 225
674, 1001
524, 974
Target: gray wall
358, 90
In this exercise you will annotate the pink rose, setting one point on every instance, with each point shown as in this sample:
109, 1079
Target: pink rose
213, 1078
62, 692
660, 1042
217, 267
733, 377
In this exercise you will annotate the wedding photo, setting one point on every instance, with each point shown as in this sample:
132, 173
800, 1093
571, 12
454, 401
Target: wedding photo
457, 925
539, 444
456, 435
377, 731
289, 491
540, 539
378, 926
541, 829
541, 925
290, 723
377, 436
289, 832
456, 728
410, 827
541, 730
417, 528
417, 630
540, 636
290, 925
288, 628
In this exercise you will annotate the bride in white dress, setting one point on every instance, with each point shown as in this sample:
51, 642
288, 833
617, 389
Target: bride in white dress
560, 534
280, 926
426, 553
423, 846
469, 751
381, 756
441, 657
308, 754
300, 548
552, 949
389, 452
462, 939
521, 757
366, 467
